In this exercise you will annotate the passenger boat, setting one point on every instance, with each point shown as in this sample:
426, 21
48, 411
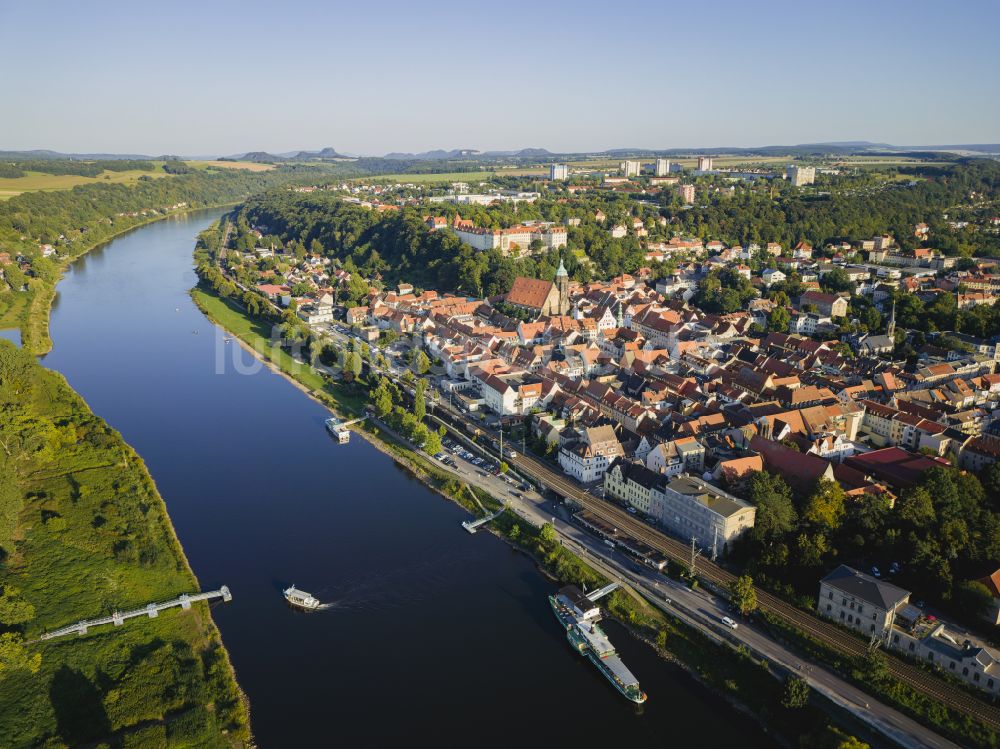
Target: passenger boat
300, 599
579, 615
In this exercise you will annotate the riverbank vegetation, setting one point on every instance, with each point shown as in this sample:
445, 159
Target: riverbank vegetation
83, 533
42, 232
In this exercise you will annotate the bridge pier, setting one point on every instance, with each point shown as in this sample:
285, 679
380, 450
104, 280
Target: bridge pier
226, 595
118, 619
151, 611
185, 601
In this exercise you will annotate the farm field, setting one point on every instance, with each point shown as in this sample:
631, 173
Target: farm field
34, 181
250, 166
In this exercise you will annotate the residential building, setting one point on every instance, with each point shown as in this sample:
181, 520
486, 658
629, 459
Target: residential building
558, 172
686, 193
635, 485
860, 601
631, 168
662, 167
695, 509
587, 454
704, 163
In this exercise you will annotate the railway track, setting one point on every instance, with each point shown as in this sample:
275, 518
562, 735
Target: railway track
812, 625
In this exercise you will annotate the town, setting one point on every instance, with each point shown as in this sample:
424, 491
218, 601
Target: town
784, 409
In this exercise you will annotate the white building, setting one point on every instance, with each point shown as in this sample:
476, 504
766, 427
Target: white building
801, 175
694, 509
631, 168
558, 171
662, 167
704, 163
588, 454
514, 238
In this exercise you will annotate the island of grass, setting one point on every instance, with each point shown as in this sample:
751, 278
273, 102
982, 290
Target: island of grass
83, 532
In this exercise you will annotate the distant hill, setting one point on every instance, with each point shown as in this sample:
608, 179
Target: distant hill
43, 153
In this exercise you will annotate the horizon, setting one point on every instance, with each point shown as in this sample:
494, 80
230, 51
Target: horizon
239, 77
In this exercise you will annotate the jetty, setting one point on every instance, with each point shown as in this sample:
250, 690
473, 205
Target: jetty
150, 610
471, 525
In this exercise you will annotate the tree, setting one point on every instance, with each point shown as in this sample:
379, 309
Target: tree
743, 595
825, 506
547, 534
352, 365
973, 597
13, 608
432, 445
14, 656
778, 320
795, 693
420, 401
420, 363
776, 514
382, 399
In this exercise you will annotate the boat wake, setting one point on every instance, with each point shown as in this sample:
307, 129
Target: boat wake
398, 587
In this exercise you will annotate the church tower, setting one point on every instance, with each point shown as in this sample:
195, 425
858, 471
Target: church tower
562, 286
891, 328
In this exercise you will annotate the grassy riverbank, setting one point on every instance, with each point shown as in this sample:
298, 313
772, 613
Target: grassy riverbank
84, 532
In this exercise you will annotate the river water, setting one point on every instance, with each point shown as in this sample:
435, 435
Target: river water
435, 636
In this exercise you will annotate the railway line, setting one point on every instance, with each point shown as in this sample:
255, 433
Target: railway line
812, 625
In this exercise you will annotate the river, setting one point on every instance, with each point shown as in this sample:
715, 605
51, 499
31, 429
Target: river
435, 637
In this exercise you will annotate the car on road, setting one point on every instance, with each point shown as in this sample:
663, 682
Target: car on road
876, 572
729, 622
630, 509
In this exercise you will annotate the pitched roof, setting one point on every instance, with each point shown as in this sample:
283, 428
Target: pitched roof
530, 292
865, 587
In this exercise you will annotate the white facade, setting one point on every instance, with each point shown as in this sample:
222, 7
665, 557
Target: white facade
558, 171
662, 167
631, 168
801, 175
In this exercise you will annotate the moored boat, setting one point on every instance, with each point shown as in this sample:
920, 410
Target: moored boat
579, 615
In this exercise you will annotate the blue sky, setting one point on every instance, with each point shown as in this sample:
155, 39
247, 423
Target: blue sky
370, 77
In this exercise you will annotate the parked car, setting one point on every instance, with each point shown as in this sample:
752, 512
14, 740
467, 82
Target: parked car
876, 572
729, 622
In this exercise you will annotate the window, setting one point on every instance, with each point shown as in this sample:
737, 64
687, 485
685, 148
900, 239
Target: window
828, 607
850, 618
989, 683
952, 666
975, 676
831, 595
841, 614
844, 602
912, 647
965, 671
895, 639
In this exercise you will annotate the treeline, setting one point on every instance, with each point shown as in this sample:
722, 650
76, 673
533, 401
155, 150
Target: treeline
90, 211
944, 533
751, 214
395, 245
77, 168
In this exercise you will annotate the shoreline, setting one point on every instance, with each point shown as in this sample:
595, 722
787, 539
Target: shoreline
39, 343
31, 312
